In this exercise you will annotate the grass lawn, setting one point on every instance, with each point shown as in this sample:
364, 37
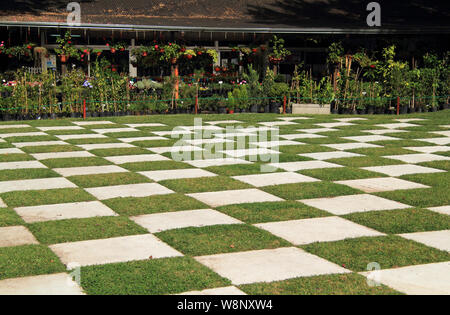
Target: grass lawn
310, 190
45, 197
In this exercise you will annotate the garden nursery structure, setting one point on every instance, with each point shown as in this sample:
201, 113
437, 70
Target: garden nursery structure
227, 56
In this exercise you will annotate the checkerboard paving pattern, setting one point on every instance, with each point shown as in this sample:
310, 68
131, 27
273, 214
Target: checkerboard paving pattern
108, 196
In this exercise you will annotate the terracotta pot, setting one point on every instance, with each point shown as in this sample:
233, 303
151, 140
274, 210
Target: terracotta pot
99, 53
113, 50
144, 54
217, 69
231, 111
63, 58
173, 60
189, 57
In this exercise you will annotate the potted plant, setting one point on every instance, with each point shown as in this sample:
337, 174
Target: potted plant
66, 48
279, 52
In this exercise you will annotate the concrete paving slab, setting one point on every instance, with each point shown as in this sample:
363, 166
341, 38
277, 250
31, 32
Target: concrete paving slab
317, 130
431, 279
93, 122
114, 130
430, 149
57, 128
98, 146
372, 138
78, 210
351, 146
277, 123
175, 149
38, 143
272, 265
177, 174
22, 134
249, 152
89, 170
261, 180
113, 250
21, 165
397, 125
443, 209
14, 126
159, 222
11, 151
329, 229
418, 158
322, 156
16, 236
136, 158
305, 165
438, 141
217, 162
372, 185
54, 284
384, 131
135, 139
301, 136
230, 291
400, 170
81, 136
36, 184
442, 133
229, 197
279, 143
355, 203
336, 124
61, 155
145, 125
436, 239
124, 191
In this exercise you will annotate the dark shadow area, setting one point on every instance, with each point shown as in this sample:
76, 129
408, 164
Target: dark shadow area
35, 7
348, 13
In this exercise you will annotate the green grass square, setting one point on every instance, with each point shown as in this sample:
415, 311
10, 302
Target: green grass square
327, 140
113, 179
412, 135
343, 284
382, 151
441, 165
15, 157
29, 260
388, 251
45, 197
365, 161
219, 239
237, 169
150, 277
402, 143
9, 217
262, 212
310, 190
154, 204
302, 149
430, 179
157, 143
402, 221
78, 162
92, 141
422, 198
31, 139
74, 230
51, 149
340, 173
204, 184
155, 166
119, 151
25, 173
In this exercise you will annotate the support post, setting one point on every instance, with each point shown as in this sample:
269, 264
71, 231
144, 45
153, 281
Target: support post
398, 105
84, 109
284, 105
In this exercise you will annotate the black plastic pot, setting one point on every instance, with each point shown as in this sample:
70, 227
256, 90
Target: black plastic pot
254, 108
411, 110
362, 111
275, 108
370, 110
266, 108
288, 110
445, 106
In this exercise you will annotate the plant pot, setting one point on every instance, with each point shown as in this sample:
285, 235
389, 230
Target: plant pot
231, 111
445, 106
412, 110
275, 108
266, 108
354, 112
362, 111
370, 110
434, 109
254, 108
335, 111
288, 110
64, 58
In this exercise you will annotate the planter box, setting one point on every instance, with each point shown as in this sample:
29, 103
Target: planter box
311, 109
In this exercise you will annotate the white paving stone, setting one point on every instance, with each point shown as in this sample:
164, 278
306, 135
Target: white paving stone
304, 165
384, 131
442, 133
177, 174
436, 239
322, 156
261, 180
97, 146
217, 162
57, 128
136, 158
21, 165
113, 250
123, 191
355, 203
234, 135
329, 229
279, 143
159, 222
78, 210
175, 149
201, 127
438, 141
16, 236
39, 143
351, 146
229, 197
409, 120
350, 119
418, 158
93, 122
216, 122
249, 152
14, 126
372, 138
36, 184
400, 170
269, 265
317, 130
135, 139
443, 209
114, 130
61, 155
372, 185
430, 149
172, 132
23, 134
11, 151
145, 125
89, 170
216, 291
334, 125
430, 279
397, 125
255, 129
207, 141
293, 118
54, 284
81, 136
301, 136
277, 123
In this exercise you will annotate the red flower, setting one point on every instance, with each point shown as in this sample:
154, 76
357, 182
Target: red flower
156, 47
372, 66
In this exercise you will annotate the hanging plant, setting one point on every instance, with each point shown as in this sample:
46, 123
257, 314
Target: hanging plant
25, 50
2, 47
279, 52
66, 48
189, 54
120, 46
171, 53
